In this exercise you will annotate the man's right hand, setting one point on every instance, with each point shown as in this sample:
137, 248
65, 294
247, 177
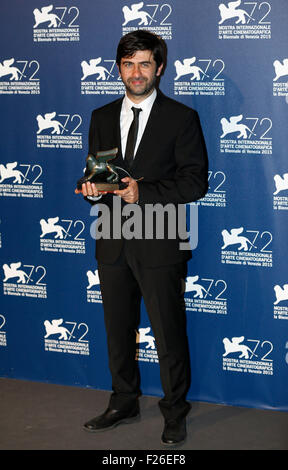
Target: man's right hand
89, 189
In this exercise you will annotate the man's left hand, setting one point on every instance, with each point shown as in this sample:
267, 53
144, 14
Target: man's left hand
131, 193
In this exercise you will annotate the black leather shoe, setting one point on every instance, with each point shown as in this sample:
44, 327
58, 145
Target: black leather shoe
174, 432
110, 419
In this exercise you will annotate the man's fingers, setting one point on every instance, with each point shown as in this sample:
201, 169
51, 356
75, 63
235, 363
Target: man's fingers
129, 194
122, 192
84, 190
89, 189
127, 179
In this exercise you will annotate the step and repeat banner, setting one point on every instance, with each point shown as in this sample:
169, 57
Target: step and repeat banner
227, 60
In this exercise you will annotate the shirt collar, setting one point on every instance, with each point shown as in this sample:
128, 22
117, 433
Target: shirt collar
145, 105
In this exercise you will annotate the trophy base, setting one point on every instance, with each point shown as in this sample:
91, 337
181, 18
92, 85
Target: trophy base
100, 185
106, 187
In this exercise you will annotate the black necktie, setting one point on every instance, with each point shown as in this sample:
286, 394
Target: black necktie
132, 136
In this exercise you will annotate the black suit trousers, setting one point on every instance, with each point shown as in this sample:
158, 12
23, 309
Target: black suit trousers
123, 284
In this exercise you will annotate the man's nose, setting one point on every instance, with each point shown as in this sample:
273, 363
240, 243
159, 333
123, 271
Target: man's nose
136, 72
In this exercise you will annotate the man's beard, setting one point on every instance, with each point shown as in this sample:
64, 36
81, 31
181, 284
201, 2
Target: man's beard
142, 91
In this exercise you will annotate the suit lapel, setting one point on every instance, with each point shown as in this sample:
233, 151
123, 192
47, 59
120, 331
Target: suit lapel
115, 128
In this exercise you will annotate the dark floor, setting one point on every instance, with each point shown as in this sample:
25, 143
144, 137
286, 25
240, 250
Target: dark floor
39, 416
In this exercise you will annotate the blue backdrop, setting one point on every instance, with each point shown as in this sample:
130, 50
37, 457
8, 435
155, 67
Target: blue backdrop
229, 61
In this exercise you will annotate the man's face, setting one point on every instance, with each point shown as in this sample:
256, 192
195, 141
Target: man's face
139, 74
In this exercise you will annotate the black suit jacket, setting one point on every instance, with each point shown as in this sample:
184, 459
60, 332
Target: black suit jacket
172, 162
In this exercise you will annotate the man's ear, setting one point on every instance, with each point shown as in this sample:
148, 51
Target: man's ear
159, 70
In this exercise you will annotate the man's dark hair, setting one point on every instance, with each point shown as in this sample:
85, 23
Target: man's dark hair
141, 40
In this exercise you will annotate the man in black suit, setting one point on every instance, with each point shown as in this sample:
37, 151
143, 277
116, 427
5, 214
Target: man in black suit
167, 168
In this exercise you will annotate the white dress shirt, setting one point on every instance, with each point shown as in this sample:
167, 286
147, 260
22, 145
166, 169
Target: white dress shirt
126, 118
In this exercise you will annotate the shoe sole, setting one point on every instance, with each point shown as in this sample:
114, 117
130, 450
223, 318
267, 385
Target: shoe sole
108, 428
174, 444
